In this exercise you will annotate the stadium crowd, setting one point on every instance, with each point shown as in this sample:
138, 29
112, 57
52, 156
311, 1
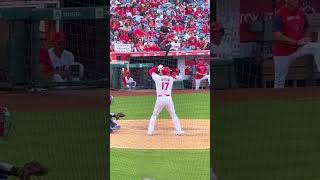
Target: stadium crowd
154, 25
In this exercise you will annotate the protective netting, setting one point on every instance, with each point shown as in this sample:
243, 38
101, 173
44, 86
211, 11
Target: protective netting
186, 68
70, 141
64, 45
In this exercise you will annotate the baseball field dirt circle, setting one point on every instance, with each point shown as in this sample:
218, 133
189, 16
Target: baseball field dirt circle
133, 135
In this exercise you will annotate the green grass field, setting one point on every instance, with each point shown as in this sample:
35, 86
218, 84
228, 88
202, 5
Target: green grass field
71, 144
161, 164
274, 140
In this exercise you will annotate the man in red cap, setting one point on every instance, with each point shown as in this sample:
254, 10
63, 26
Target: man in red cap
291, 40
61, 59
201, 73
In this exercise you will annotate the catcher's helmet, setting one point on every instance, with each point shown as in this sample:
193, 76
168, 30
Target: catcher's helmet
165, 71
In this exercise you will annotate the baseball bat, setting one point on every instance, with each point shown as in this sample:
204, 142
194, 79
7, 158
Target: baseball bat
168, 49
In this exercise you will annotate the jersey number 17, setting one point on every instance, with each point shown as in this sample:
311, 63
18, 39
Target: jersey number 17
165, 85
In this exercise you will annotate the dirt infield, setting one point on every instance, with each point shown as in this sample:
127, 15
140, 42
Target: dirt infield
95, 99
54, 100
133, 135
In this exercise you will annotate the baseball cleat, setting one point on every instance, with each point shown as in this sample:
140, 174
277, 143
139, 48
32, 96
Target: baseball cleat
116, 127
149, 133
179, 133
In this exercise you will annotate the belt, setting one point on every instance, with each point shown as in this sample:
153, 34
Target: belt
163, 95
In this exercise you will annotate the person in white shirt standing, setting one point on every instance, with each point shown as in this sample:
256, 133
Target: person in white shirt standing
164, 83
175, 45
61, 59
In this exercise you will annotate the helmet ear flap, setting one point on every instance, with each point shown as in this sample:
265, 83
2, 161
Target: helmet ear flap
165, 71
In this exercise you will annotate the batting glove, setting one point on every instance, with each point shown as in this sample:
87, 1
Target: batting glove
160, 67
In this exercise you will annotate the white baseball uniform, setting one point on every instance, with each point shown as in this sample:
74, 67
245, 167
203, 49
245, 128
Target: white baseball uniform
163, 87
282, 63
198, 81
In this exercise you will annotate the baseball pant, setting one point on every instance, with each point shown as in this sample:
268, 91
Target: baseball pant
131, 84
282, 63
198, 81
162, 102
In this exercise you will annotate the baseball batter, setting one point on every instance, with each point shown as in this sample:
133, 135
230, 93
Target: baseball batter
201, 73
164, 83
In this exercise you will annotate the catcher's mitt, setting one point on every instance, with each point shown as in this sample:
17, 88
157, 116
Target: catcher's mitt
119, 115
31, 169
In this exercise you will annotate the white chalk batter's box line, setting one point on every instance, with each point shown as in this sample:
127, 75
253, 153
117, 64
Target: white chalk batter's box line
124, 147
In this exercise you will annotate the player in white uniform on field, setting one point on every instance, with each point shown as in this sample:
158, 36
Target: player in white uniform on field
164, 83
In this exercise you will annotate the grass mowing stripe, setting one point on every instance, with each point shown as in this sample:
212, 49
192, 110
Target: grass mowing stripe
267, 140
160, 164
187, 106
71, 144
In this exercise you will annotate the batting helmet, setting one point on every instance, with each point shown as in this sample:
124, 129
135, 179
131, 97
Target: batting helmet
165, 71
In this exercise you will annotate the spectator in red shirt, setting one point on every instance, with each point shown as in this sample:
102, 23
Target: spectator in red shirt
153, 46
115, 25
192, 27
201, 73
291, 42
129, 9
152, 23
121, 12
154, 4
196, 44
206, 29
152, 32
206, 10
138, 33
189, 10
140, 45
198, 13
124, 36
172, 14
178, 29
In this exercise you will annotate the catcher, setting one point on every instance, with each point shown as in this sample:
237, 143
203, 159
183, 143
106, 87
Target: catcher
25, 172
113, 123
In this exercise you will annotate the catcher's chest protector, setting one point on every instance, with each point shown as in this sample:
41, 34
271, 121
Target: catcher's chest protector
4, 122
